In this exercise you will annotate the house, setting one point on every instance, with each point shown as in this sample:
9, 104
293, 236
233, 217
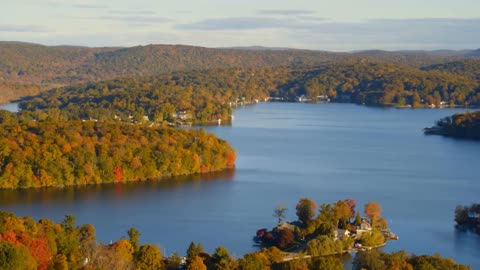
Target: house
341, 234
285, 226
182, 115
302, 98
365, 226
323, 99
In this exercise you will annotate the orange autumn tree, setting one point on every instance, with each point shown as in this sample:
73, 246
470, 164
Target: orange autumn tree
373, 210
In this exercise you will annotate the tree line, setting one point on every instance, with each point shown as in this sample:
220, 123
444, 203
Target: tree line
205, 96
459, 125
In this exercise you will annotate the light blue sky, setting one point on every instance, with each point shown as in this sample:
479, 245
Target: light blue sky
340, 25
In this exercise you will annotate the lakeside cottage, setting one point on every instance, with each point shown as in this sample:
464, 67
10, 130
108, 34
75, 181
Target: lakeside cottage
303, 98
341, 233
182, 115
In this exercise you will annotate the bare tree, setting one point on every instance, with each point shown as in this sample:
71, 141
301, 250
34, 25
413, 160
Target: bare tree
279, 212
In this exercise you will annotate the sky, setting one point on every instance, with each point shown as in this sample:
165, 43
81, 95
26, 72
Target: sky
340, 25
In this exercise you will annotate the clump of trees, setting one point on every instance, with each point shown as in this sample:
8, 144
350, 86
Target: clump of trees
28, 244
468, 217
460, 125
376, 260
63, 153
332, 229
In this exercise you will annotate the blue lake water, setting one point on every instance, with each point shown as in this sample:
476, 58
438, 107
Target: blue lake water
13, 107
286, 151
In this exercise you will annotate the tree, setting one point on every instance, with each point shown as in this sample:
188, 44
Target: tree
149, 257
326, 263
60, 262
87, 233
254, 261
327, 218
196, 264
368, 260
123, 252
285, 238
279, 212
273, 254
68, 224
343, 213
372, 239
461, 215
373, 210
134, 234
358, 220
193, 250
305, 210
220, 253
416, 100
174, 262
14, 257
352, 203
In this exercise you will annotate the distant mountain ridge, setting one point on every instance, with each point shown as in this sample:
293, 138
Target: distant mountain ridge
475, 53
27, 68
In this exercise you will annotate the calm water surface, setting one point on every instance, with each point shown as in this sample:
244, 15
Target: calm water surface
286, 151
13, 107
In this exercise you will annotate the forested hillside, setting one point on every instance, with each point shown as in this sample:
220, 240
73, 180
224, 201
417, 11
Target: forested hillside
416, 58
52, 152
468, 68
52, 66
384, 84
49, 67
200, 97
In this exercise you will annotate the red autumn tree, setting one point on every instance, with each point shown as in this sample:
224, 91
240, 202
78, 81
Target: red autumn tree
118, 174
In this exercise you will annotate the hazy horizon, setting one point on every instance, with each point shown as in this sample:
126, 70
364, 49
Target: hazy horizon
246, 47
342, 26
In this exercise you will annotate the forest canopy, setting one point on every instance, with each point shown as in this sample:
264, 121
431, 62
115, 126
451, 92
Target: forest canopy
31, 68
62, 153
208, 95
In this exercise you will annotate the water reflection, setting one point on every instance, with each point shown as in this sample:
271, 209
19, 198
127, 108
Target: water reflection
116, 191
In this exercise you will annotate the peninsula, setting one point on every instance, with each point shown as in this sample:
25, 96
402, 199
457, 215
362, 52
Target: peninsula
337, 229
461, 125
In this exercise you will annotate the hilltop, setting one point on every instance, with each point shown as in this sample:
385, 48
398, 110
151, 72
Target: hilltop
27, 69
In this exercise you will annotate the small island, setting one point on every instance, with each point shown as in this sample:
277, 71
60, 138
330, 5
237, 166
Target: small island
460, 125
337, 229
468, 218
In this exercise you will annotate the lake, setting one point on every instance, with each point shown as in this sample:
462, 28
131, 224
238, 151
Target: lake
286, 151
13, 107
